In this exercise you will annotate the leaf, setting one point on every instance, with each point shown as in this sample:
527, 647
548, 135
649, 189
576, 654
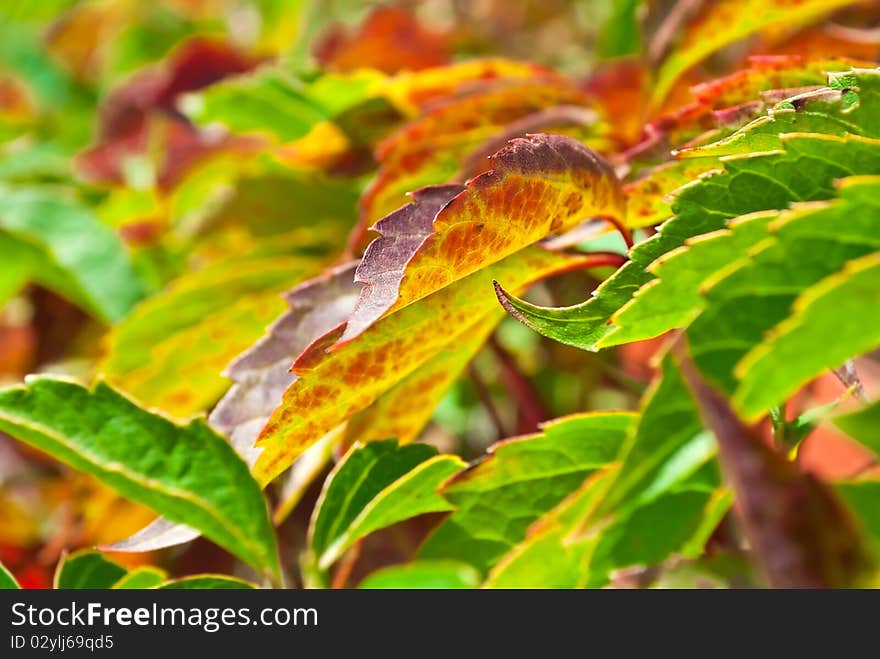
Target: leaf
847, 106
863, 425
787, 359
674, 299
436, 147
497, 499
548, 556
333, 385
667, 445
450, 232
558, 554
141, 578
377, 485
273, 101
800, 533
87, 569
665, 471
187, 473
423, 575
70, 251
723, 22
7, 580
861, 499
812, 242
410, 495
389, 39
159, 534
741, 188
621, 35
684, 273
262, 373
195, 327
207, 582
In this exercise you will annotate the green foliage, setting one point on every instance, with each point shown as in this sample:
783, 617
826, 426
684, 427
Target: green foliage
58, 242
7, 581
217, 209
87, 569
187, 473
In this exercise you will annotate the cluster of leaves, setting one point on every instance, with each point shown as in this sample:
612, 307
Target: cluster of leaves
250, 292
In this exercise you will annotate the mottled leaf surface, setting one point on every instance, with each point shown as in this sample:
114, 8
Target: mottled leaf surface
60, 243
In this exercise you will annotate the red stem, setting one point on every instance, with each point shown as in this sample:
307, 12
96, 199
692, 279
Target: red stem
531, 410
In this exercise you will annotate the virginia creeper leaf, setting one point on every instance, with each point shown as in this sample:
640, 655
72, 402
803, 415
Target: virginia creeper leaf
862, 425
335, 384
455, 232
675, 298
806, 538
7, 581
430, 149
723, 22
187, 473
377, 485
497, 499
207, 582
195, 327
141, 578
355, 481
747, 184
87, 569
788, 357
424, 575
262, 373
810, 242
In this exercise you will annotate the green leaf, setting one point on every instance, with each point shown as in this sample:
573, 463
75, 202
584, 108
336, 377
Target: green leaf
274, 101
72, 252
414, 493
358, 494
805, 171
207, 582
620, 34
861, 498
819, 335
521, 479
667, 445
141, 578
7, 581
87, 569
849, 105
550, 557
197, 326
805, 245
189, 474
422, 575
662, 497
863, 425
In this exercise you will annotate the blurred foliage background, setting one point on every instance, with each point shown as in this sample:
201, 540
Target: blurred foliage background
95, 131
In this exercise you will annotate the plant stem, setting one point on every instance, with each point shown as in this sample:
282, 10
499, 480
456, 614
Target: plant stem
531, 409
485, 397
